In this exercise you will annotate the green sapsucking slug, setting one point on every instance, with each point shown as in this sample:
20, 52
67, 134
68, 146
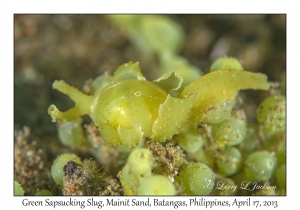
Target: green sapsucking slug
127, 108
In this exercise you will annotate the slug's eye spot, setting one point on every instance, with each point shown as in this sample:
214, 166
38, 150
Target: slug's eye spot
137, 94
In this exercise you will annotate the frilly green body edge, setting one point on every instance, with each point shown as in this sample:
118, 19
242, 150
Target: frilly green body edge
127, 108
